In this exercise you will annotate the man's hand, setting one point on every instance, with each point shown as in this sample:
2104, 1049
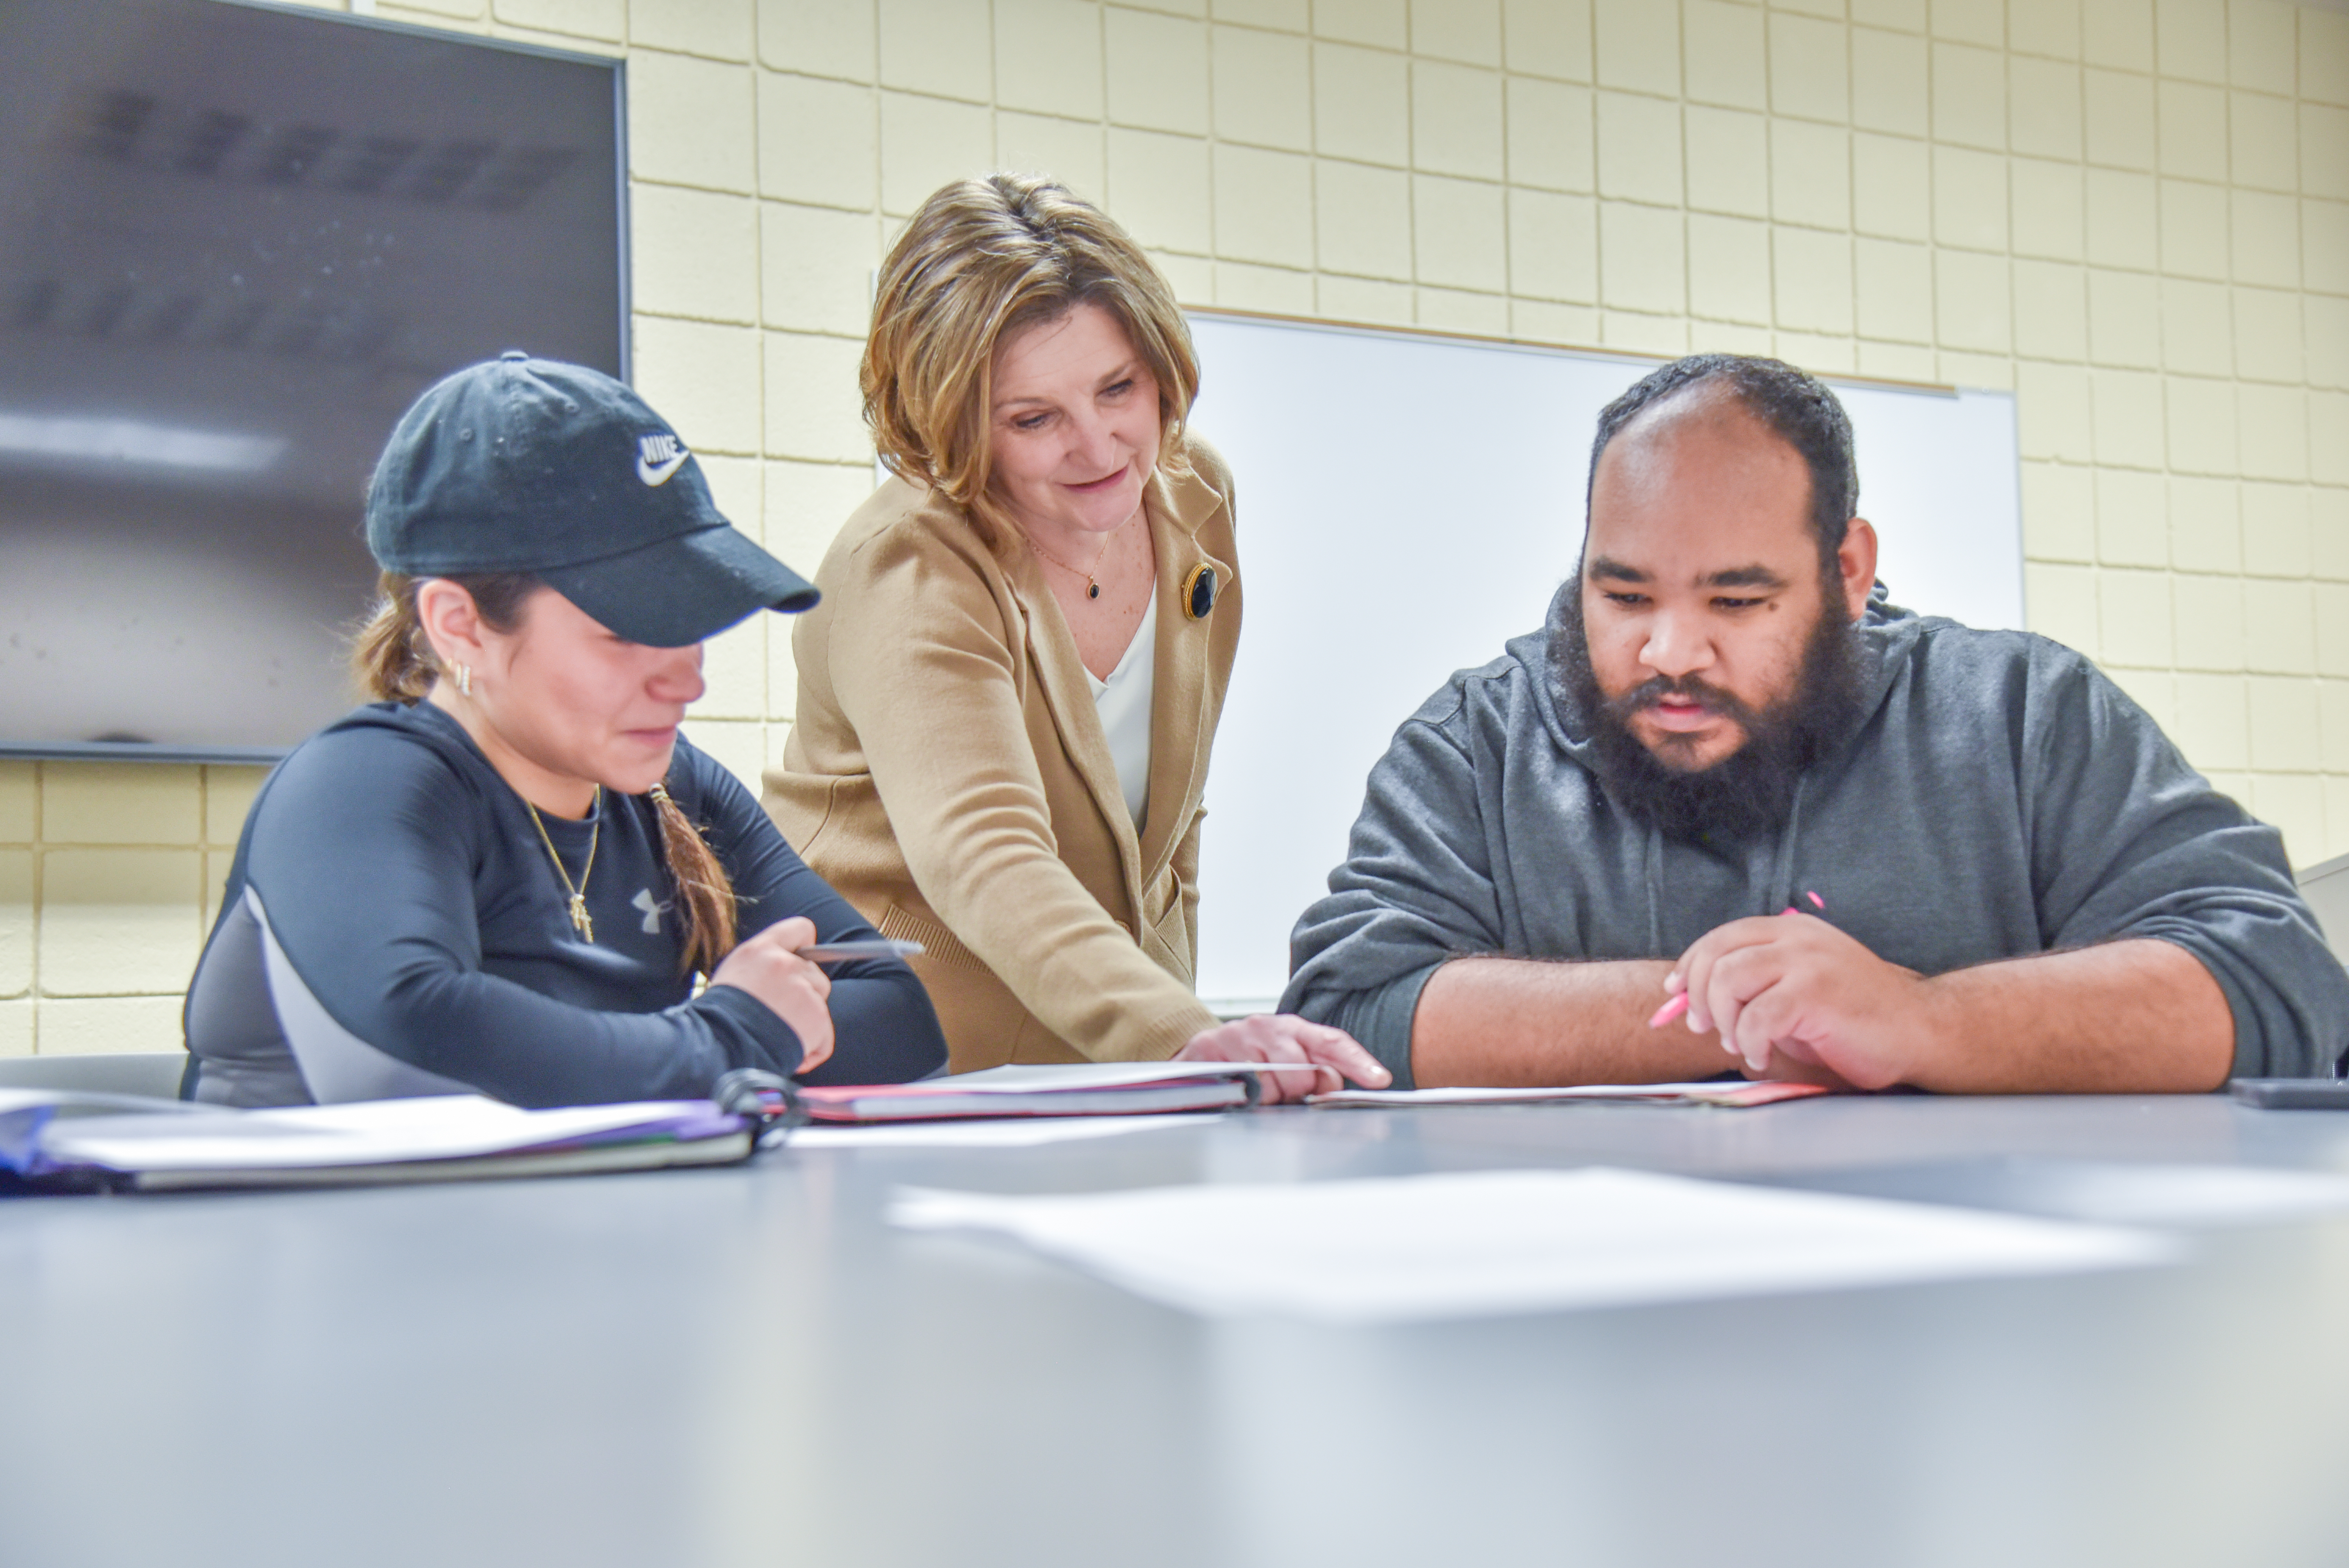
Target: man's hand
1795, 998
1286, 1037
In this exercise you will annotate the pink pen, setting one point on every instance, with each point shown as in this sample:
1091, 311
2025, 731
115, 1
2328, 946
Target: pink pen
1679, 1005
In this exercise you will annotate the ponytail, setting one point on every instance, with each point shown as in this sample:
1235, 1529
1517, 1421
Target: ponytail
390, 655
705, 893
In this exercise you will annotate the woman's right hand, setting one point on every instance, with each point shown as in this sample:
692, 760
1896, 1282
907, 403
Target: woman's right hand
769, 966
1286, 1037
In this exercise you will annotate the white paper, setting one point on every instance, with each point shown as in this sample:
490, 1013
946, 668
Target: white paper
367, 1132
12, 1101
2124, 1194
1404, 1097
1397, 1250
1023, 1132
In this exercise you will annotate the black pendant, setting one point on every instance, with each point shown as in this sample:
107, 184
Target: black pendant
1092, 589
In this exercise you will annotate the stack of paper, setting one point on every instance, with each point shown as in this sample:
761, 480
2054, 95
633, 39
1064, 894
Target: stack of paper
150, 1145
1722, 1091
1080, 1088
1410, 1248
970, 1132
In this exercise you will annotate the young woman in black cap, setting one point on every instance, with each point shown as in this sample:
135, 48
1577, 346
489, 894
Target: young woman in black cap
504, 874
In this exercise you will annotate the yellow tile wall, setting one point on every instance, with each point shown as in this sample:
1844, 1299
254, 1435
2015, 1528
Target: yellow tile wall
2133, 213
110, 878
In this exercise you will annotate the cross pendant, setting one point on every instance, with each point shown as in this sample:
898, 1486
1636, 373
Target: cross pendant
579, 916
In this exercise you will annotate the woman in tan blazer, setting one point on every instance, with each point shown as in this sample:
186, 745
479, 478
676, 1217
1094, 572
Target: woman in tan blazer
988, 754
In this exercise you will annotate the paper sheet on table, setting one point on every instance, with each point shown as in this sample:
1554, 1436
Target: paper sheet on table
2187, 1194
1728, 1092
2105, 1192
1024, 1133
1397, 1250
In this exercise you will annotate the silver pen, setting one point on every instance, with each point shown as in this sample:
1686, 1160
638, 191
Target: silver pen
842, 952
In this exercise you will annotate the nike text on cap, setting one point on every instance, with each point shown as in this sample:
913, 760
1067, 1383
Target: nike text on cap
529, 465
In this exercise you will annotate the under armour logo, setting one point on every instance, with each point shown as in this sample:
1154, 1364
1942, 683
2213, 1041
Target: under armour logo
653, 912
658, 456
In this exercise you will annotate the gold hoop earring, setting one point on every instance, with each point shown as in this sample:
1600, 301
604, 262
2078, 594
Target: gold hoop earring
465, 679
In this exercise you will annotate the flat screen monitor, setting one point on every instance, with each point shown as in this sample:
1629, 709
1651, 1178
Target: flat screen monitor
236, 241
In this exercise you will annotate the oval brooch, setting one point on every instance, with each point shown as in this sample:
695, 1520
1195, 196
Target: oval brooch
1200, 592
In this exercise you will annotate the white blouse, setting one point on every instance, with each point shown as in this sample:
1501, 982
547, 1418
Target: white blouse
1124, 701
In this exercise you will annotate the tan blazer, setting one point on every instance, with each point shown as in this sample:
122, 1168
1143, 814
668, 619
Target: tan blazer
946, 770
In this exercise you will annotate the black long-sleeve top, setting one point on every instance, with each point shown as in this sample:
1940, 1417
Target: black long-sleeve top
393, 924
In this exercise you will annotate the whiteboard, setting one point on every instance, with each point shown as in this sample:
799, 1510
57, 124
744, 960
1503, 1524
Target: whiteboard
1407, 504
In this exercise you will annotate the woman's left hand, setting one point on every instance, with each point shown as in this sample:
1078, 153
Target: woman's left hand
1286, 1037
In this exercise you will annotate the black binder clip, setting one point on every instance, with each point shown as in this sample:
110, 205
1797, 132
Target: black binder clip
765, 1101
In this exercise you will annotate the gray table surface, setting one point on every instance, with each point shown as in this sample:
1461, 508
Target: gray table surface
747, 1365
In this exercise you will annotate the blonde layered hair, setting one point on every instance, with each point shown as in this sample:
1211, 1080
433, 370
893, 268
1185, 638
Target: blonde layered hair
983, 259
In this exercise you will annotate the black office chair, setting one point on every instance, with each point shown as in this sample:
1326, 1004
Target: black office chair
2325, 886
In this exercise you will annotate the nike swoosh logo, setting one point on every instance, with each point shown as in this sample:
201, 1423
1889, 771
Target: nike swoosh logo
657, 474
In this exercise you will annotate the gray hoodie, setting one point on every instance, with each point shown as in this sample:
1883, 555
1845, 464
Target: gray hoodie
2002, 798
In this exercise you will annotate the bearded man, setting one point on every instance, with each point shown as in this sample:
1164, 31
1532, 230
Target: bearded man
1869, 848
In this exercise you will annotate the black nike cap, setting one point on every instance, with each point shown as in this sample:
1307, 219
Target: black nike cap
532, 465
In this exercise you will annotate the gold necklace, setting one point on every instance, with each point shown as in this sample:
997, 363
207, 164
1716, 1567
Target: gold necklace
1093, 588
578, 890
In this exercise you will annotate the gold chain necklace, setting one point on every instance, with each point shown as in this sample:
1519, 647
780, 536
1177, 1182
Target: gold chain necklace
1093, 587
578, 890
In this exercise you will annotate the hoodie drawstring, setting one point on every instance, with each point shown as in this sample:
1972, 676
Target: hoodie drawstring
1655, 880
1782, 871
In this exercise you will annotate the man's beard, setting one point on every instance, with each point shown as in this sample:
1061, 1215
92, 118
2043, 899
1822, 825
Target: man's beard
1746, 793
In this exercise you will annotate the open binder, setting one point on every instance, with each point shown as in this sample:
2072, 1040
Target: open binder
1075, 1088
